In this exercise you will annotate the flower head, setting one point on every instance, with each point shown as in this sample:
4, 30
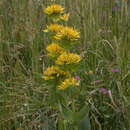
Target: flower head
67, 83
116, 9
65, 17
98, 81
68, 58
116, 70
53, 72
53, 28
90, 72
77, 78
54, 10
54, 50
67, 33
104, 91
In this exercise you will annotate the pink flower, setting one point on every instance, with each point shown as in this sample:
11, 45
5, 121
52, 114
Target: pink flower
98, 81
116, 70
104, 91
116, 9
77, 78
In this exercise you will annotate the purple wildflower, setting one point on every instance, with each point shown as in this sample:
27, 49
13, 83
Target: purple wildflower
116, 70
116, 9
98, 81
104, 91
77, 78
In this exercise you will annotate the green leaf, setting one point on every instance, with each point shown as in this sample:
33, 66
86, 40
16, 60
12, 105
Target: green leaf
85, 124
81, 115
66, 112
62, 124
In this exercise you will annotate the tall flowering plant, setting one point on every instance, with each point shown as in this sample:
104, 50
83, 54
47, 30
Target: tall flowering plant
61, 76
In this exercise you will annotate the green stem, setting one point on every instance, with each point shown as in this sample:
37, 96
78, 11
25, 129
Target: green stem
75, 128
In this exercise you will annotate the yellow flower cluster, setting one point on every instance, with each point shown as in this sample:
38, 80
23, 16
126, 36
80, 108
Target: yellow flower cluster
68, 58
54, 50
54, 10
65, 17
68, 82
61, 35
54, 72
53, 28
67, 33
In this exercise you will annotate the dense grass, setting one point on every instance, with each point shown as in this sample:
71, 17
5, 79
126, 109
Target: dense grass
105, 45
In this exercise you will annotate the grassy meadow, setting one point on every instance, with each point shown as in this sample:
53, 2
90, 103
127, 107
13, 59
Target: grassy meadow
25, 103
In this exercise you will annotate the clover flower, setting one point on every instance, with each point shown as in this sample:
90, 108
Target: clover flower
53, 72
77, 78
104, 91
115, 70
116, 9
67, 33
54, 10
97, 81
67, 83
68, 58
53, 28
54, 50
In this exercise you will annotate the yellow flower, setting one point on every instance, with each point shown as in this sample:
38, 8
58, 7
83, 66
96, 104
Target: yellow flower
53, 72
54, 49
65, 17
90, 72
53, 28
68, 58
67, 83
67, 33
54, 10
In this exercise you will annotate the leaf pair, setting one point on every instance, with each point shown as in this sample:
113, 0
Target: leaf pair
80, 119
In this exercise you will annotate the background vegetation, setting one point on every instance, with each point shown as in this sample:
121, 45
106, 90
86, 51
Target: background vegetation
105, 45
